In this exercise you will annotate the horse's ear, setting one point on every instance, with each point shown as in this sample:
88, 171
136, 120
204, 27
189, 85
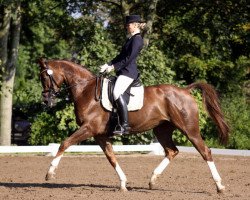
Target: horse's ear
42, 62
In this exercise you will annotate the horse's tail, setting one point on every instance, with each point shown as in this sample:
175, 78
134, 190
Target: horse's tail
211, 101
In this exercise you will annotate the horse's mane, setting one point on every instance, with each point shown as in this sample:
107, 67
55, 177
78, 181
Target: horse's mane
67, 63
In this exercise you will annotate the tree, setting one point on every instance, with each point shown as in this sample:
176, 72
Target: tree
206, 40
10, 22
43, 33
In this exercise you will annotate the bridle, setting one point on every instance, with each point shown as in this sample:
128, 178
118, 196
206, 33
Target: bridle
52, 91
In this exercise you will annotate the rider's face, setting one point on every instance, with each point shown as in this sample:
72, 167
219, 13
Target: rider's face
131, 27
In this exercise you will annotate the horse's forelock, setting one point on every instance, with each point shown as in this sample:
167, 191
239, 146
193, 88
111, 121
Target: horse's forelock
42, 62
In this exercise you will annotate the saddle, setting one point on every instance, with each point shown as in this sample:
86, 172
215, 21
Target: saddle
126, 95
133, 95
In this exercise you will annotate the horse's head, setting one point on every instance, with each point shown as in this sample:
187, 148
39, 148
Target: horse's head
51, 80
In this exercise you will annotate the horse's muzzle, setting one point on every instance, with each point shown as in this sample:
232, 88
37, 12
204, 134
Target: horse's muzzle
48, 99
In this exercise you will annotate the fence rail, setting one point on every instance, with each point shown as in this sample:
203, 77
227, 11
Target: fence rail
154, 148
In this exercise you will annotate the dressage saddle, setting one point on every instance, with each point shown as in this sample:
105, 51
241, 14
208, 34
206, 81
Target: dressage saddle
126, 95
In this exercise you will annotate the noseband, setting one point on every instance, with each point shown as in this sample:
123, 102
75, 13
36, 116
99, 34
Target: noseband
52, 92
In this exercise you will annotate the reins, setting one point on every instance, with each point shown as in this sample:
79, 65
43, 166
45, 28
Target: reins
99, 77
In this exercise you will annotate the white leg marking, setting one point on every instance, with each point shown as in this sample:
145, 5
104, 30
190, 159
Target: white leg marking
56, 161
164, 163
54, 164
158, 170
122, 176
215, 175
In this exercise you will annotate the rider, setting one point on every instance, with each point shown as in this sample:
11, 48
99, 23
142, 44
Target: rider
126, 70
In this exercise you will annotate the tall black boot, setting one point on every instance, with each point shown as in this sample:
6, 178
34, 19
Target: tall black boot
122, 110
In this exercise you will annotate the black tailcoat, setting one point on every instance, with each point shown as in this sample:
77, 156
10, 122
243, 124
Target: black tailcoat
125, 62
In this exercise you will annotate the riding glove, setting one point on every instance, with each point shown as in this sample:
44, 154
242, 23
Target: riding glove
106, 68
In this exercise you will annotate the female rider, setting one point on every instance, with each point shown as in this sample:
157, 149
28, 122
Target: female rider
126, 70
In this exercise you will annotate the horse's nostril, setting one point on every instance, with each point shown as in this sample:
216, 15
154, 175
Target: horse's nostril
44, 95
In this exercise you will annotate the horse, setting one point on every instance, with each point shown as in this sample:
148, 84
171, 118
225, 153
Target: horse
166, 108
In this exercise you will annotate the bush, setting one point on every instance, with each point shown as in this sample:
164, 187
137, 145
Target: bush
154, 67
53, 127
237, 113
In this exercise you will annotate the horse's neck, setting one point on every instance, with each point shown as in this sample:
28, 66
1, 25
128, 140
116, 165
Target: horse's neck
77, 78
75, 74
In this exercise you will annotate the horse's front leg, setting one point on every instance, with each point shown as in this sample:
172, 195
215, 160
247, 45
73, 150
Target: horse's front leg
81, 134
107, 148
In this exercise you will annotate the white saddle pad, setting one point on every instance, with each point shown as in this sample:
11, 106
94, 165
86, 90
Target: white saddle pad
135, 102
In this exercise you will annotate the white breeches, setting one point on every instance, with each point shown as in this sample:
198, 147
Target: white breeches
121, 85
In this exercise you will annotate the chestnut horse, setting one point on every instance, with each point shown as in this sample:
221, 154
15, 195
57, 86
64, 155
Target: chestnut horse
166, 108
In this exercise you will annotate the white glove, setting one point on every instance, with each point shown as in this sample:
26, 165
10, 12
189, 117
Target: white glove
106, 68
110, 68
103, 68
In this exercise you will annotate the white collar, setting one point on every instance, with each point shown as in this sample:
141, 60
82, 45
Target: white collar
132, 34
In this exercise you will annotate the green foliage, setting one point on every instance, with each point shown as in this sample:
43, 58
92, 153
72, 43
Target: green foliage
239, 74
205, 39
154, 67
28, 94
97, 49
45, 41
53, 127
27, 87
238, 113
43, 22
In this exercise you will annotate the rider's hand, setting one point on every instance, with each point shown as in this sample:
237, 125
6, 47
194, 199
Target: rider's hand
106, 68
103, 68
110, 68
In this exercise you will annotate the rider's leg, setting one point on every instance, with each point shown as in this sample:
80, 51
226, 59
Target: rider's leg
121, 85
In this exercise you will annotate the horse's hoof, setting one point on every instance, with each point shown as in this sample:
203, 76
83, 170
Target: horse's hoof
50, 177
151, 186
123, 189
221, 190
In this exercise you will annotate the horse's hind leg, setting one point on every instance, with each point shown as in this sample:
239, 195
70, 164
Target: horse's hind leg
81, 134
107, 148
205, 152
163, 133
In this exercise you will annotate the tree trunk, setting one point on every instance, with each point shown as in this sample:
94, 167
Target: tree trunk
10, 23
149, 21
6, 111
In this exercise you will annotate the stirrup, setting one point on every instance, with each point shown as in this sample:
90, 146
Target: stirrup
120, 130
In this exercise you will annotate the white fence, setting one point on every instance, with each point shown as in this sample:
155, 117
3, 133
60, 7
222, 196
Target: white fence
154, 148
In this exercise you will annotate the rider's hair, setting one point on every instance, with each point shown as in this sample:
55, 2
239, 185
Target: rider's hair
141, 26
